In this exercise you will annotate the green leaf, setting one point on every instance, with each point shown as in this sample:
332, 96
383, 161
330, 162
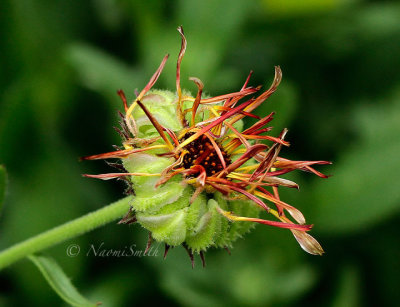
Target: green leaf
363, 190
102, 72
296, 8
3, 185
348, 291
60, 283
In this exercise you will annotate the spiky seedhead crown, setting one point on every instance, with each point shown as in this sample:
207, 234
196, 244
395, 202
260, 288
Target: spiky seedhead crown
198, 177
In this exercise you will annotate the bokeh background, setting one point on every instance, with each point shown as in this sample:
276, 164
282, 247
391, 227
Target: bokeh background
63, 61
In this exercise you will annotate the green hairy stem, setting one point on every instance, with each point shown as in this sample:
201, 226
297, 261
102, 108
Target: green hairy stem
64, 232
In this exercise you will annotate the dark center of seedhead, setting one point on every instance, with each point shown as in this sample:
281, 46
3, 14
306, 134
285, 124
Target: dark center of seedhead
202, 152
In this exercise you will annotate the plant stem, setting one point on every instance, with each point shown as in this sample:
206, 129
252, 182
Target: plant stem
64, 232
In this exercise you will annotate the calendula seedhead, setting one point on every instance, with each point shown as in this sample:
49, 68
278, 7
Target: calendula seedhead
199, 179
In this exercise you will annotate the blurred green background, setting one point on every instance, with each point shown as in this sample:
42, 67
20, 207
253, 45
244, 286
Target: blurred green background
61, 64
